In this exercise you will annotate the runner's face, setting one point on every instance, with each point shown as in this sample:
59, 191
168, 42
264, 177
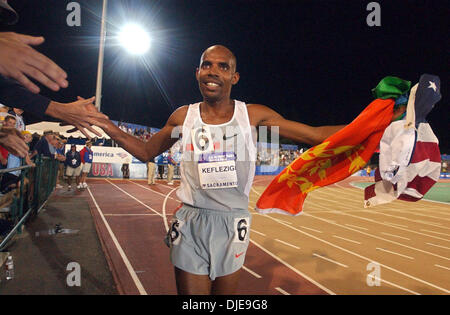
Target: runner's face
216, 75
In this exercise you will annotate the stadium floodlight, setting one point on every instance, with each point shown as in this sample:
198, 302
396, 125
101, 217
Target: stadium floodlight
134, 39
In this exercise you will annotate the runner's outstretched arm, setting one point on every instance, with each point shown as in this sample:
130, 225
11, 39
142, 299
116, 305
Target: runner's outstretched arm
145, 151
297, 131
264, 116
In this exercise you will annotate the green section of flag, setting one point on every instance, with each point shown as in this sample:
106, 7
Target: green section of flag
391, 87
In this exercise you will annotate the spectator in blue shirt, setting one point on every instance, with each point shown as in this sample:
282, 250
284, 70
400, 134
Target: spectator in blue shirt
73, 166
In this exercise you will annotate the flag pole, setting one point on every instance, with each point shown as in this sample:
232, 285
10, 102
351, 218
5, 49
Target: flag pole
98, 92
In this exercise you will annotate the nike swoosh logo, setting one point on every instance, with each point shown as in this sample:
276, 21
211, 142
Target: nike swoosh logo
226, 138
238, 255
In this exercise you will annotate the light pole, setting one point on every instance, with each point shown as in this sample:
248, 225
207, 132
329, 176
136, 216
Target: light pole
101, 53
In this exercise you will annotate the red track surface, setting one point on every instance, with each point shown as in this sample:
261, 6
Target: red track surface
139, 232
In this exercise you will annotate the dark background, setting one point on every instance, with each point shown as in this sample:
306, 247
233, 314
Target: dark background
314, 61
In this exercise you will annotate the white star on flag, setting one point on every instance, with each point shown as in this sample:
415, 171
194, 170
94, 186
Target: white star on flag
432, 85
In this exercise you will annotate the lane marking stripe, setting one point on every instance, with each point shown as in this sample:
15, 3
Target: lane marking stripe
262, 234
346, 239
292, 268
252, 272
405, 238
282, 291
355, 226
154, 191
307, 228
282, 242
131, 196
438, 246
124, 257
442, 267
330, 260
394, 253
365, 258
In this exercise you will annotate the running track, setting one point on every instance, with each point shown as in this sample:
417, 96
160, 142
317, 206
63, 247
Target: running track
132, 219
325, 251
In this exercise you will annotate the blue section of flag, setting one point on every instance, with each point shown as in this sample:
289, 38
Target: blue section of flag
428, 93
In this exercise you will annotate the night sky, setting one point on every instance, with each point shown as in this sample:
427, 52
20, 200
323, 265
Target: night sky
312, 61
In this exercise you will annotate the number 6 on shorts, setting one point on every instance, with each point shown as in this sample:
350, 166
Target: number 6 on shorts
240, 230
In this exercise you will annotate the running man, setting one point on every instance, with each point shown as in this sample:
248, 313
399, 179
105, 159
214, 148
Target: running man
210, 232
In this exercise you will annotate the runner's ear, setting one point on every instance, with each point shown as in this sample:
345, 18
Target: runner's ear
236, 77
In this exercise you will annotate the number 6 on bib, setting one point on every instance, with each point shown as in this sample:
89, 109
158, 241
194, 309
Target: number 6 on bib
240, 230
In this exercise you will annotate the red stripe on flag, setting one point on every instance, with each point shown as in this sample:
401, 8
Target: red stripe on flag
421, 184
369, 192
377, 174
408, 198
426, 150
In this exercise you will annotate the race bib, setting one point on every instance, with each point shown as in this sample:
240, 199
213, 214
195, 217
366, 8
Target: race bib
202, 141
241, 228
217, 170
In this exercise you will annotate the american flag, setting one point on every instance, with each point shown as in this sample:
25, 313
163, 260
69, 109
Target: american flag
409, 150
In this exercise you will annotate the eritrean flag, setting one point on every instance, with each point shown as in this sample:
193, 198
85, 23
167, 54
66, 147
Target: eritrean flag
339, 156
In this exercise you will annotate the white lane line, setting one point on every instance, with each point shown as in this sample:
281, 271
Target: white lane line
156, 192
442, 267
282, 242
365, 258
252, 272
379, 213
392, 207
282, 291
124, 257
355, 226
262, 234
438, 246
390, 225
301, 274
330, 260
383, 239
307, 228
131, 196
394, 285
395, 224
394, 253
393, 235
255, 191
348, 240
445, 234
166, 224
286, 222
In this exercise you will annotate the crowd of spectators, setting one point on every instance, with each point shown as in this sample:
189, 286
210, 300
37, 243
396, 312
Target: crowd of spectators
276, 157
143, 133
24, 71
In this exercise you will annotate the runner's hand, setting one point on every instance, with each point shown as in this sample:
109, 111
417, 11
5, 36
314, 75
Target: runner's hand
82, 114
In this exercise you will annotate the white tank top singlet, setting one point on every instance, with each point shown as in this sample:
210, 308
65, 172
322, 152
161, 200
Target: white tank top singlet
218, 161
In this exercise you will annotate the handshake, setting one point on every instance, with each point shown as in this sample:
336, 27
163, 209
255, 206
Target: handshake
19, 64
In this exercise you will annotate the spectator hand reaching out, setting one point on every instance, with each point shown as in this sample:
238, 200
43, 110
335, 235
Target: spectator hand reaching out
18, 60
12, 140
81, 114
